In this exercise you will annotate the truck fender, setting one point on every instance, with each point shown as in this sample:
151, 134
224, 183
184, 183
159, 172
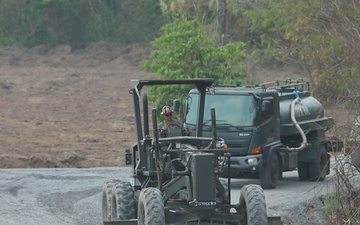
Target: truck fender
269, 151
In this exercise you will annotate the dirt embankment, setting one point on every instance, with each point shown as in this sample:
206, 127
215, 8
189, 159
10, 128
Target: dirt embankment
67, 109
72, 109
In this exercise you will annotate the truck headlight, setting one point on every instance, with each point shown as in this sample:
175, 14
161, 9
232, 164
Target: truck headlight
252, 161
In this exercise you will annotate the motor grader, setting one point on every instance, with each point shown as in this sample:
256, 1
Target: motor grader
176, 179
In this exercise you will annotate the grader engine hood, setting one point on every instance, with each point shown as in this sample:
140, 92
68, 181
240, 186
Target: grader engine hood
202, 177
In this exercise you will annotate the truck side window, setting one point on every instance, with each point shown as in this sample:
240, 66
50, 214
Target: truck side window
267, 109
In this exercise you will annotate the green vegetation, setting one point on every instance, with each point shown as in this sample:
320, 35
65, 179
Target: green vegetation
78, 22
186, 51
320, 34
342, 206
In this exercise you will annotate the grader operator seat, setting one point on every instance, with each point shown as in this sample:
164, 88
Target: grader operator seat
173, 130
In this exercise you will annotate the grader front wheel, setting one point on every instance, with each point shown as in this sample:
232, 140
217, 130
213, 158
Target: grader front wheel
123, 202
151, 207
107, 210
252, 205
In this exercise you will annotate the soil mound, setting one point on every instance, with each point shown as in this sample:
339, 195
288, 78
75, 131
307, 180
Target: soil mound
67, 109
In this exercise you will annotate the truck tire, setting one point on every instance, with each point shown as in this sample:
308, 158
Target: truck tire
252, 205
318, 169
123, 202
303, 171
107, 212
151, 207
270, 174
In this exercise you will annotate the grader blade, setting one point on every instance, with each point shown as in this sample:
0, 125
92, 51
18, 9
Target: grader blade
272, 220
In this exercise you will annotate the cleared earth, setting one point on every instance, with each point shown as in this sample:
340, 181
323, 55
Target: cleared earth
67, 109
60, 108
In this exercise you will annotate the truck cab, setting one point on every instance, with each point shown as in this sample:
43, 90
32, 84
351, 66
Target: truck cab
255, 127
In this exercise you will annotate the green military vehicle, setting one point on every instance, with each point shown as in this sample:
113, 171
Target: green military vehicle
267, 129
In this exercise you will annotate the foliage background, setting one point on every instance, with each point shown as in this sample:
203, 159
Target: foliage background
78, 22
229, 39
322, 36
186, 51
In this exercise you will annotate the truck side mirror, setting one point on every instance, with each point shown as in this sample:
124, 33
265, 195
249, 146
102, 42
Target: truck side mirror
176, 105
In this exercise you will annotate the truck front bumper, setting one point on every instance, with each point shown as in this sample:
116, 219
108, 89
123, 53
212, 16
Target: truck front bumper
242, 164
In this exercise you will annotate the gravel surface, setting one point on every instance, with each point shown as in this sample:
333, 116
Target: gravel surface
53, 196
72, 196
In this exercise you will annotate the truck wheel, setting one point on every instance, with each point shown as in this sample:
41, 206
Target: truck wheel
252, 205
123, 203
151, 207
270, 174
303, 171
106, 200
318, 169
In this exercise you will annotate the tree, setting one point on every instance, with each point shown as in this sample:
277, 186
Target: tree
78, 22
223, 17
185, 50
323, 35
341, 20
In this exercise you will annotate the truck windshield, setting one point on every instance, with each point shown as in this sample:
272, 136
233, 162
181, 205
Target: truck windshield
232, 110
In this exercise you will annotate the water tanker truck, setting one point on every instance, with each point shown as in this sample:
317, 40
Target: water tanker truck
266, 129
